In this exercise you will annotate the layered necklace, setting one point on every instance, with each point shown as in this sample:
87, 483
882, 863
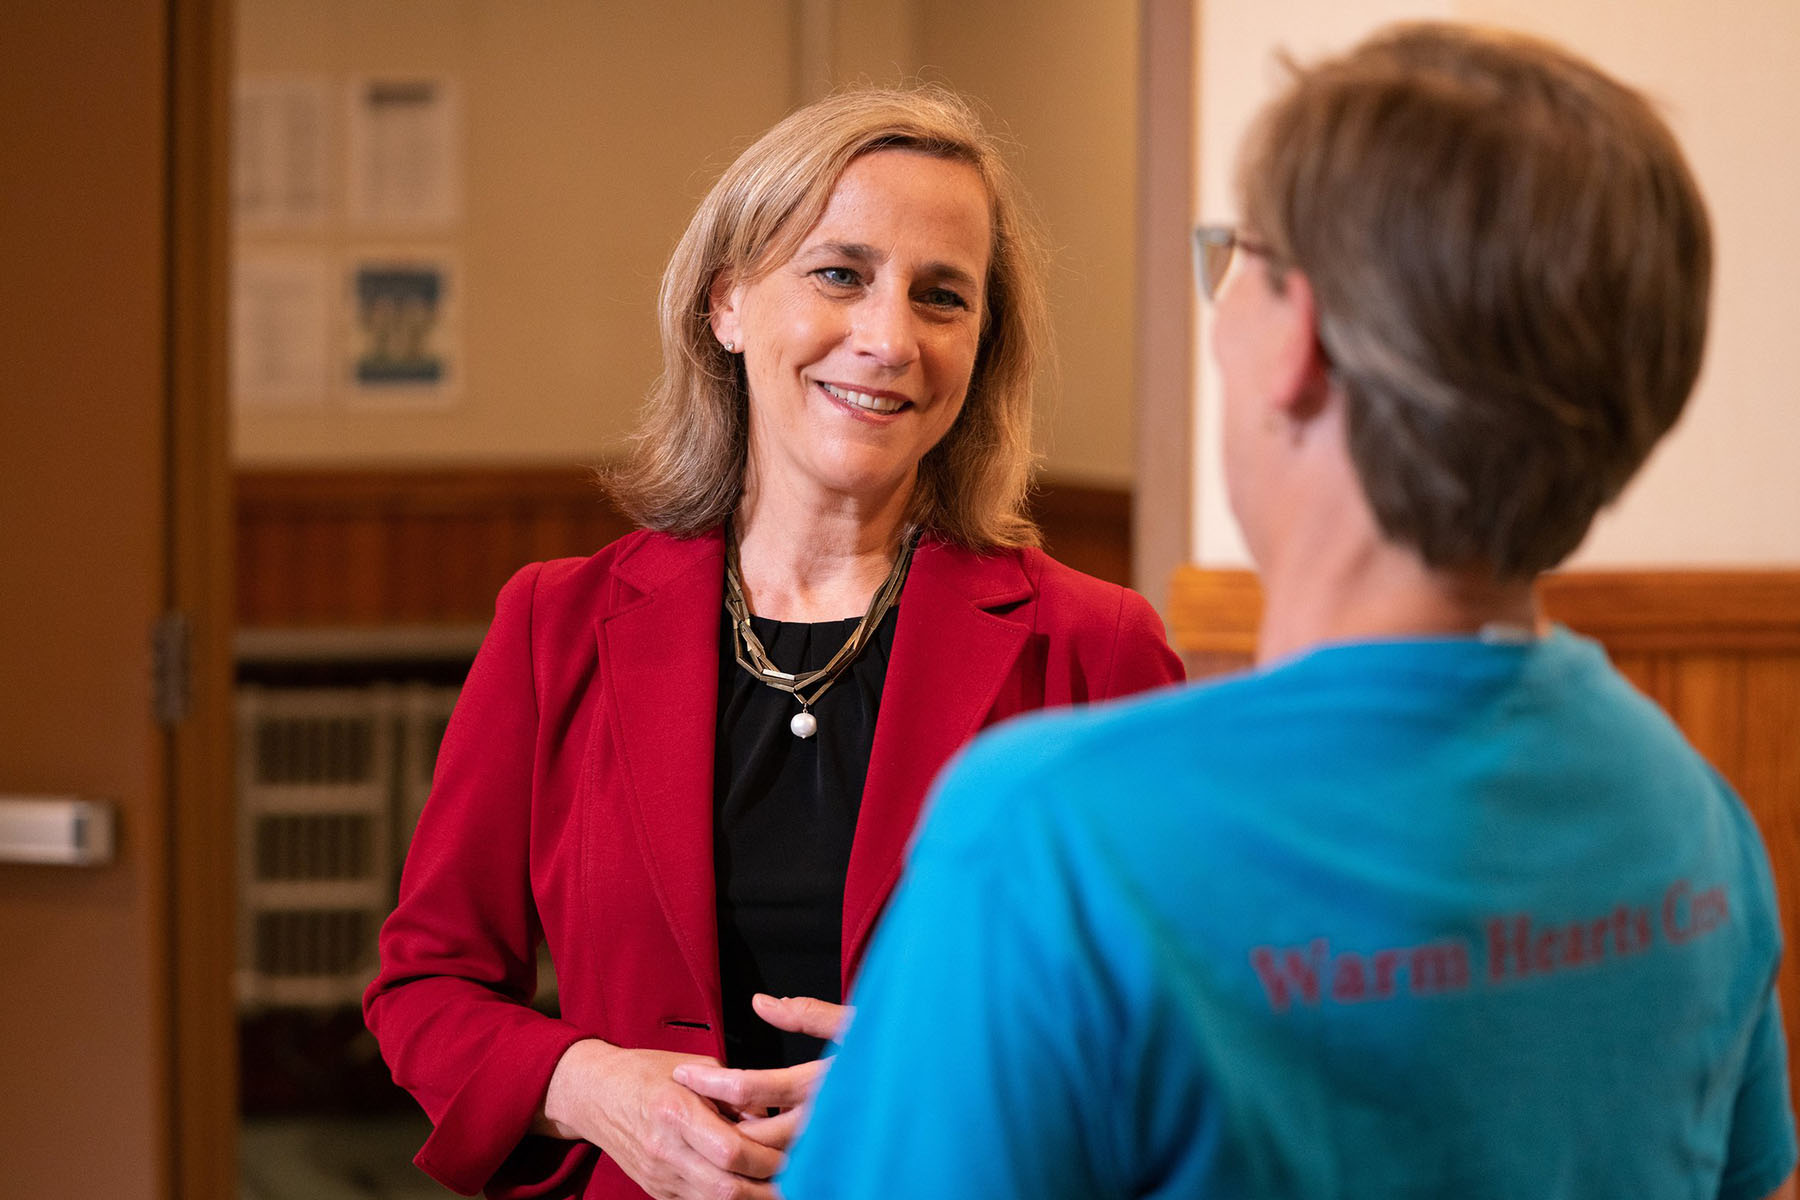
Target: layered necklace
808, 686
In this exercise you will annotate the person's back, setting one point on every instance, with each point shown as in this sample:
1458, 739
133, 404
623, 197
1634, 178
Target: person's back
1407, 918
1432, 904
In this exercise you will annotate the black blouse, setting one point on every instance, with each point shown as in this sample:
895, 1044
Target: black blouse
784, 815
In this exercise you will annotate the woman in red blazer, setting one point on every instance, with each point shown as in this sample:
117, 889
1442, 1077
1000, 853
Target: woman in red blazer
681, 763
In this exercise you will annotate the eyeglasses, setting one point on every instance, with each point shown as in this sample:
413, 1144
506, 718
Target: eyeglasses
1213, 248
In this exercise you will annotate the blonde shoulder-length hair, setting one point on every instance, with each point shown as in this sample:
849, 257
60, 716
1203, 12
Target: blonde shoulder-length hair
684, 471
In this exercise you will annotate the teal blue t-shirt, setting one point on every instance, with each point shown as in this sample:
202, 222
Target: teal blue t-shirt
1436, 918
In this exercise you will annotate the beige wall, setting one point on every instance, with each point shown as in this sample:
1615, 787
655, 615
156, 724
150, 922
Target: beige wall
1723, 489
592, 130
1061, 76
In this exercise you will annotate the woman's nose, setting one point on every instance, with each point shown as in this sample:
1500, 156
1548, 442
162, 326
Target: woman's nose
885, 328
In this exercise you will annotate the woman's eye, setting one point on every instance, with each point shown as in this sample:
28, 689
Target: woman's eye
838, 276
944, 298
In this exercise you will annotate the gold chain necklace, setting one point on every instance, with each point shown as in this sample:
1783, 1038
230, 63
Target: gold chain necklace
808, 686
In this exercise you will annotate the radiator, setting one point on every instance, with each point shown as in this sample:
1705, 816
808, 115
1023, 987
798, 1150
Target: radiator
330, 782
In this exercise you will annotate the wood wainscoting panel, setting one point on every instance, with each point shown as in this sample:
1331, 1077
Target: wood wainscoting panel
1087, 527
371, 547
1718, 650
1661, 610
404, 547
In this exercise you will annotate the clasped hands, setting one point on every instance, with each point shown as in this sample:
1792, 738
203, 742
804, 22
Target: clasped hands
683, 1126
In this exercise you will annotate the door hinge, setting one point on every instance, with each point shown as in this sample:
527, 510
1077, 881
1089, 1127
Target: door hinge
171, 668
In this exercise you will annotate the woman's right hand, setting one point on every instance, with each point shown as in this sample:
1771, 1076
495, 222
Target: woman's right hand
672, 1143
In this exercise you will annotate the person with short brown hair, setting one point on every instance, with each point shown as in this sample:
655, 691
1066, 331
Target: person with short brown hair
1432, 903
1510, 263
689, 764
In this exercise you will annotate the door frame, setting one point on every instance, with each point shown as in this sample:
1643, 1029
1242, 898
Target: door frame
201, 828
1163, 345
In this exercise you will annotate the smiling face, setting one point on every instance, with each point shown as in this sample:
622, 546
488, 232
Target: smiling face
859, 348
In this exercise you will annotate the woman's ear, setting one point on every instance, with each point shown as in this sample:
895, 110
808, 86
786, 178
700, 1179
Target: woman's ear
722, 303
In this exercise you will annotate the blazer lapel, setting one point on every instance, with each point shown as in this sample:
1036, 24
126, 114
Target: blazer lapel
662, 647
951, 656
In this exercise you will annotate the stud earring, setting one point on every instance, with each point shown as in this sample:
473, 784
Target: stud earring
730, 347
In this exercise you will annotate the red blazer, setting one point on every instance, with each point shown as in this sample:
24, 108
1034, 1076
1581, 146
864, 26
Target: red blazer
573, 802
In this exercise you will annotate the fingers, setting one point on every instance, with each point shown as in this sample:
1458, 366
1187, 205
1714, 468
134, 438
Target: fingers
777, 1132
730, 1087
669, 1140
803, 1014
689, 1176
752, 1091
719, 1143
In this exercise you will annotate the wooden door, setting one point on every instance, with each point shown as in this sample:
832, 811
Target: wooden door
117, 1062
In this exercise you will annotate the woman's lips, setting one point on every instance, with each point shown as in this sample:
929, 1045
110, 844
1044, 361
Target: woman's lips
878, 403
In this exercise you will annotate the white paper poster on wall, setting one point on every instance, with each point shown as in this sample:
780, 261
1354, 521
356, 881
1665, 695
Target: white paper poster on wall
281, 330
281, 153
405, 336
405, 154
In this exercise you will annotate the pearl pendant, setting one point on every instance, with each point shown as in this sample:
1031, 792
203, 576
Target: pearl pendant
804, 724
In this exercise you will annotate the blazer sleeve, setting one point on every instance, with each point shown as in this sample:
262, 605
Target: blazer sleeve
450, 1004
1141, 657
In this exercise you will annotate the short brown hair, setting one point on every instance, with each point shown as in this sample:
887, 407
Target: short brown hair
685, 471
1510, 261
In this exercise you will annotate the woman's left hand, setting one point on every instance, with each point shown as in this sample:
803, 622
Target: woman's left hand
785, 1090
